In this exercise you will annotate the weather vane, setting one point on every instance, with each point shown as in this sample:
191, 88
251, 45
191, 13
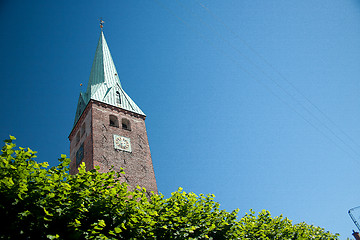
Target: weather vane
101, 23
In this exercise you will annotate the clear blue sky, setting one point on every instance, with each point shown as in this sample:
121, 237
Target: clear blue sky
255, 101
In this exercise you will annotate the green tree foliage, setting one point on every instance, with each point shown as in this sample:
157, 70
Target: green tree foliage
38, 202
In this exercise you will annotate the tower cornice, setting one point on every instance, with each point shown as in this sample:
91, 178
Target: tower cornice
105, 105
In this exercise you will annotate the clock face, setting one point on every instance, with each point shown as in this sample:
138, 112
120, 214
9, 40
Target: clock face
122, 143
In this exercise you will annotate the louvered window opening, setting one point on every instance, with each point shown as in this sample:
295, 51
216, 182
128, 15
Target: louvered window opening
118, 99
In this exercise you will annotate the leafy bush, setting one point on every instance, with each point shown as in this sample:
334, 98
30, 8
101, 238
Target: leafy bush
38, 202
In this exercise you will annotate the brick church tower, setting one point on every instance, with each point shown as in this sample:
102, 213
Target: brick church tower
109, 128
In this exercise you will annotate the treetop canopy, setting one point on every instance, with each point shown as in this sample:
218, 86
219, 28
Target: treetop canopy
42, 202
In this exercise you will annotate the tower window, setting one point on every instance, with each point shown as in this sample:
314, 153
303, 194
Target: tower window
80, 107
79, 155
118, 98
83, 130
125, 123
77, 137
113, 121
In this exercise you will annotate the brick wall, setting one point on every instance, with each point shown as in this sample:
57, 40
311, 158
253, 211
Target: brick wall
98, 140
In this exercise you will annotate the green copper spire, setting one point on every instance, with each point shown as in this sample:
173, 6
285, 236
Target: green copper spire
104, 83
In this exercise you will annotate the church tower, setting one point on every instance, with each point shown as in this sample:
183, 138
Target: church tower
109, 128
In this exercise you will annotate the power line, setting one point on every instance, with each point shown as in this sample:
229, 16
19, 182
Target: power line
276, 82
267, 87
277, 72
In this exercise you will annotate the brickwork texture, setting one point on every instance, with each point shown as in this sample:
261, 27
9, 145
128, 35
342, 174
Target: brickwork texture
94, 132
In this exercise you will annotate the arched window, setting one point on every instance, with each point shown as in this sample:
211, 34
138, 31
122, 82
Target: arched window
118, 98
113, 121
125, 123
80, 107
77, 137
83, 130
79, 155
